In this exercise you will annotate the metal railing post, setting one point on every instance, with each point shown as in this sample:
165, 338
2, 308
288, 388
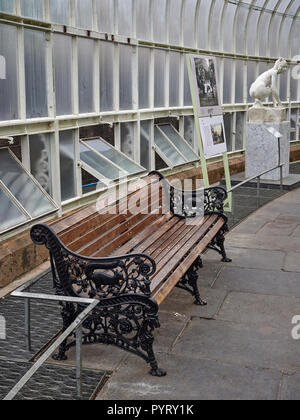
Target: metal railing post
28, 324
79, 360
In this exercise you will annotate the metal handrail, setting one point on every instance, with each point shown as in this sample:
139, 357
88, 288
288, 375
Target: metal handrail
258, 177
76, 325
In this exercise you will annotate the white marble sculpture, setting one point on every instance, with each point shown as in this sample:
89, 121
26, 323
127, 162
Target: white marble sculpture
266, 85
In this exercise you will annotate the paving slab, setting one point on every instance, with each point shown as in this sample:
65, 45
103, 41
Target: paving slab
191, 379
290, 389
94, 357
292, 262
252, 258
265, 282
263, 242
236, 343
183, 303
254, 309
278, 228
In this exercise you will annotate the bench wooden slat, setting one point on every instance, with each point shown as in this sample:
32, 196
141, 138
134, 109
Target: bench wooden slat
142, 236
120, 240
169, 262
168, 286
141, 248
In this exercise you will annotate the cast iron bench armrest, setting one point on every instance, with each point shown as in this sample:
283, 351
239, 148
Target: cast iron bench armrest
214, 198
127, 273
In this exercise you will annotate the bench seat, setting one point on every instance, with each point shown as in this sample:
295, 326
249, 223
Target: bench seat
136, 257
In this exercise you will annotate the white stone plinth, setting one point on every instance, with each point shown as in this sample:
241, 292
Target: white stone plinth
262, 150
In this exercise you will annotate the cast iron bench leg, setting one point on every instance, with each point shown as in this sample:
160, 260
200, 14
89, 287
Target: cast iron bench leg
190, 282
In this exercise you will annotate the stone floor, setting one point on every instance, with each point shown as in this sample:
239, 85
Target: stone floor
240, 346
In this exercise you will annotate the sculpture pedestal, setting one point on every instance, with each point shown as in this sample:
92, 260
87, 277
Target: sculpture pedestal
267, 114
262, 149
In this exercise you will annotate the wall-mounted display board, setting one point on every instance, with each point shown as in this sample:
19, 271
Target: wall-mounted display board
213, 135
205, 83
209, 124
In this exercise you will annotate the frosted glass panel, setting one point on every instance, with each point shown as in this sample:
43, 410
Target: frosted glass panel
40, 160
33, 8
125, 17
67, 164
174, 78
84, 14
10, 214
60, 11
159, 21
125, 77
6, 6
143, 19
22, 187
188, 22
85, 75
159, 80
63, 72
35, 73
105, 12
8, 78
175, 17
178, 142
187, 89
166, 148
144, 77
127, 139
98, 163
106, 76
189, 130
113, 155
145, 144
239, 82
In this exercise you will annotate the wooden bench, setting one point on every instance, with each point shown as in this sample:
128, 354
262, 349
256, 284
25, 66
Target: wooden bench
131, 261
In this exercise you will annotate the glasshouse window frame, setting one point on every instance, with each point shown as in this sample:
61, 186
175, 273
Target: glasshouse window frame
54, 123
29, 217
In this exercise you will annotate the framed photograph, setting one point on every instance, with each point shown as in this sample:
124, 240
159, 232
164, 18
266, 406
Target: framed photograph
213, 135
205, 84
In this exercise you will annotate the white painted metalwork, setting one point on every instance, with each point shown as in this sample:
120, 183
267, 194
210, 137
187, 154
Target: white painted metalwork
107, 41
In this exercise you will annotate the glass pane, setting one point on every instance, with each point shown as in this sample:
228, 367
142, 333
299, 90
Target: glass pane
159, 82
159, 21
178, 142
145, 144
106, 76
105, 12
35, 73
22, 187
142, 20
125, 17
189, 130
60, 11
144, 77
33, 9
8, 73
67, 164
113, 155
10, 214
174, 78
127, 139
84, 14
85, 75
40, 155
125, 77
99, 164
63, 71
171, 153
6, 6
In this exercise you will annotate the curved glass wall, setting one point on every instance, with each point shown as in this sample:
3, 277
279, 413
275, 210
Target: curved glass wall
123, 63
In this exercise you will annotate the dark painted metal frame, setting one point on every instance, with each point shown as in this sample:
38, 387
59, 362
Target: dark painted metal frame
126, 315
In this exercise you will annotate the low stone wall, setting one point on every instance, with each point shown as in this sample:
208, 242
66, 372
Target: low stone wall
19, 255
